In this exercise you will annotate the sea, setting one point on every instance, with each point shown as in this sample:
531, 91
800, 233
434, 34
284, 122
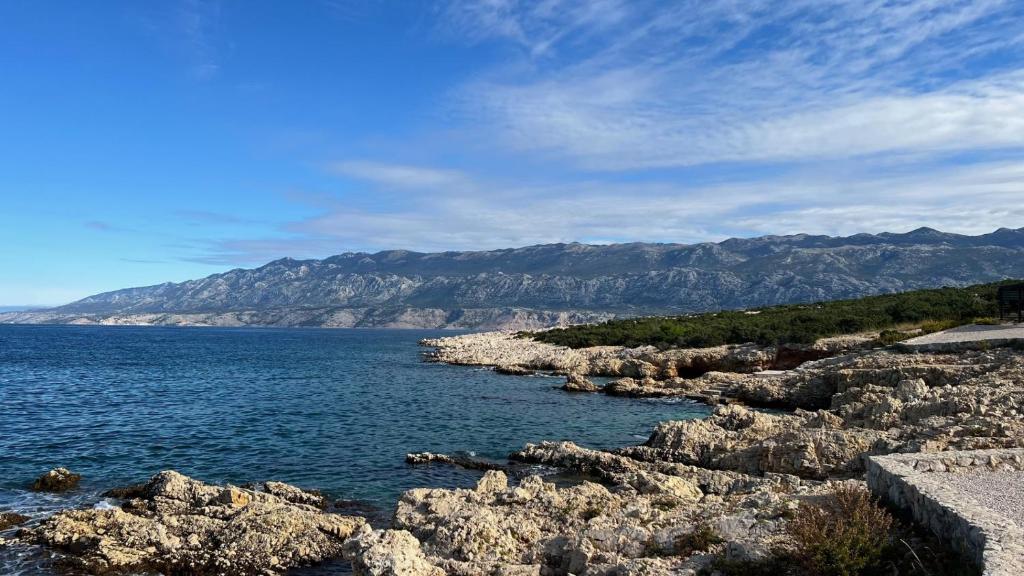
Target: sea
329, 409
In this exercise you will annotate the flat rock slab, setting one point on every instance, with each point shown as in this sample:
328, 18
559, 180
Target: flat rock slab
970, 333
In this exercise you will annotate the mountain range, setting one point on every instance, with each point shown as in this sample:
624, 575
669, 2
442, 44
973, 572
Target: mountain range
553, 284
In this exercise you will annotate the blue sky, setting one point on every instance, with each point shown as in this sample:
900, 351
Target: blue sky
159, 141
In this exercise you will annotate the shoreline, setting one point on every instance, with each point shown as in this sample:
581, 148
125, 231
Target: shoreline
517, 318
739, 472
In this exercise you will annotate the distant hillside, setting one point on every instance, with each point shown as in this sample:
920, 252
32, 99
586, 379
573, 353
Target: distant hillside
557, 283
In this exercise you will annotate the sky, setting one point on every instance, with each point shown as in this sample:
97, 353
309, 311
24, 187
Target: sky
146, 142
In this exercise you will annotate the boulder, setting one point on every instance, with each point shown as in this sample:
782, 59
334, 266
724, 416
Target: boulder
911, 389
388, 553
11, 519
57, 480
512, 370
295, 495
576, 382
492, 482
460, 460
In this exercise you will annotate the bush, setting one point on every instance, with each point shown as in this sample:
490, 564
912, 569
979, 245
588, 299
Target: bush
790, 324
850, 535
847, 535
699, 540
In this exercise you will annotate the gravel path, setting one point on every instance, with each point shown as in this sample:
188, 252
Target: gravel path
971, 333
1001, 492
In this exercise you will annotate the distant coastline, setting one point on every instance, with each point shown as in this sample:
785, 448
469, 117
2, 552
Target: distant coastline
555, 284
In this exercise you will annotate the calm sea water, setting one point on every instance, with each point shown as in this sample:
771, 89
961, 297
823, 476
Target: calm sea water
335, 410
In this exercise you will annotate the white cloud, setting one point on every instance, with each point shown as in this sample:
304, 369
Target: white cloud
806, 116
197, 20
670, 84
398, 175
536, 26
971, 199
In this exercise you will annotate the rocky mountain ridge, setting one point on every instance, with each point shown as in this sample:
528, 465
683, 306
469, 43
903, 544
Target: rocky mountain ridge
556, 283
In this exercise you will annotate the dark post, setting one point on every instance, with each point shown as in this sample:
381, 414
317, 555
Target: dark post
1011, 299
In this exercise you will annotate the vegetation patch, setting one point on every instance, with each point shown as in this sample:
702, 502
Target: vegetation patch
849, 534
700, 539
844, 536
929, 310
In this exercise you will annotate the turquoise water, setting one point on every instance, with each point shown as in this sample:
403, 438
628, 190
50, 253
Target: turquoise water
335, 410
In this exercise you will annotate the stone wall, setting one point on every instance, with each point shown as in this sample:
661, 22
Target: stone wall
907, 481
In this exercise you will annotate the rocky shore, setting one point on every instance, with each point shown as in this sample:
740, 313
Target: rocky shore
177, 525
696, 497
513, 353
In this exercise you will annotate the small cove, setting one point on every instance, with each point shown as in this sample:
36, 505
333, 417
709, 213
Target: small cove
334, 410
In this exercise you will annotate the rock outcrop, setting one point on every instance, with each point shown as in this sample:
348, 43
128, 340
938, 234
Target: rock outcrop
57, 480
388, 553
460, 460
735, 438
631, 528
11, 519
575, 382
735, 474
178, 525
511, 351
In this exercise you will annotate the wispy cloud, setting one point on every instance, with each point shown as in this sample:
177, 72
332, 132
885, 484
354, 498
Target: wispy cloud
680, 84
536, 26
398, 175
692, 121
970, 199
197, 19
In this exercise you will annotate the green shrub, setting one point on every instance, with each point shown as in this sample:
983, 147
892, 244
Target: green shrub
847, 535
939, 325
700, 539
790, 324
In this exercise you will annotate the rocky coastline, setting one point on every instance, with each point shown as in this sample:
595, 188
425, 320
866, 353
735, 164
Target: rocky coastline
696, 497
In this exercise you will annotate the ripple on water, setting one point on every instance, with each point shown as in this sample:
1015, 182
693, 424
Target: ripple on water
335, 410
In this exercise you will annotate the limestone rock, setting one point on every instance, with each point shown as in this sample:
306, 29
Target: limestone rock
911, 389
576, 382
388, 553
512, 370
57, 480
492, 482
181, 525
509, 352
735, 438
232, 496
461, 460
11, 519
538, 528
295, 495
